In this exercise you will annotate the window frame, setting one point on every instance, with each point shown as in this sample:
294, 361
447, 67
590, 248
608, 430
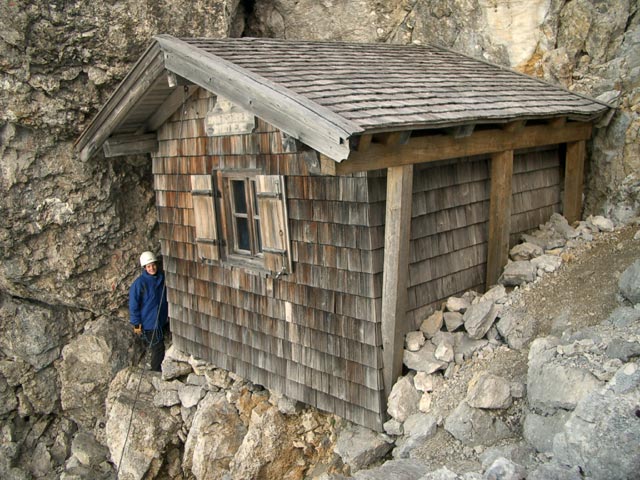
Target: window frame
233, 254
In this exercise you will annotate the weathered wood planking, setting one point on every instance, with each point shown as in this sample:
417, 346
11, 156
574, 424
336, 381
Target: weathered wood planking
314, 334
499, 215
450, 221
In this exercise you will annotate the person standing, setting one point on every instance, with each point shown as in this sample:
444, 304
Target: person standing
148, 309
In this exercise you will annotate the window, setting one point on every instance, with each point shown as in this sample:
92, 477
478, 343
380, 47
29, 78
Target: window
241, 219
244, 217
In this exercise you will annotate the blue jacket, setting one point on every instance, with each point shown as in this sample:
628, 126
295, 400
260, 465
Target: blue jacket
145, 295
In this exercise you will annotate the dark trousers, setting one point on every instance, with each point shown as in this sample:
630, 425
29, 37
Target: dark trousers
155, 343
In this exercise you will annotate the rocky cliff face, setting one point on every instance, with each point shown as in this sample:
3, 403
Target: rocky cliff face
71, 231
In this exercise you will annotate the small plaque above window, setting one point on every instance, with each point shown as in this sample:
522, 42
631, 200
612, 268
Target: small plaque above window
225, 118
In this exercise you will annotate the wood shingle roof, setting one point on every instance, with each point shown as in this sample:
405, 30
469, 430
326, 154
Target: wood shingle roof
325, 93
384, 87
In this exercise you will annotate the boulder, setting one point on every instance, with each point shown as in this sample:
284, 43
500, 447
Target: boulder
517, 273
547, 263
489, 391
427, 382
474, 427
285, 405
42, 390
190, 395
602, 434
150, 429
403, 399
215, 436
623, 317
32, 333
601, 223
8, 399
359, 447
89, 364
525, 251
414, 341
517, 327
267, 450
425, 402
166, 398
519, 452
453, 320
466, 346
393, 427
432, 324
629, 283
423, 360
561, 226
417, 429
87, 450
545, 240
496, 294
504, 469
457, 304
478, 319
539, 430
555, 382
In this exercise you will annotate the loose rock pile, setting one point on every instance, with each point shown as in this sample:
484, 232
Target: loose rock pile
197, 421
575, 417
570, 411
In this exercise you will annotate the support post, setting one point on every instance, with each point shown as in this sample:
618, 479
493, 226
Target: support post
396, 270
573, 180
499, 215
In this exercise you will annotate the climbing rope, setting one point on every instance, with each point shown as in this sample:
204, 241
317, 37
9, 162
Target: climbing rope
153, 339
137, 394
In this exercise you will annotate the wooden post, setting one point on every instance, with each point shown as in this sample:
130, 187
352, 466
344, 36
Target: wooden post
396, 270
573, 179
499, 214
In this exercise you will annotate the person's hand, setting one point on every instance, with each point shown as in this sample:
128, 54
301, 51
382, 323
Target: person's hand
137, 329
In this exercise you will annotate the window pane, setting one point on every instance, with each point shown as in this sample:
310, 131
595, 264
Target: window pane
239, 198
242, 227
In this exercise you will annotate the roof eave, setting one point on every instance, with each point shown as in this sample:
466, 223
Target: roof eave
297, 116
121, 102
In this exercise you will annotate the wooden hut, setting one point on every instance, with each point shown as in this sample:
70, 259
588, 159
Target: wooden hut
316, 200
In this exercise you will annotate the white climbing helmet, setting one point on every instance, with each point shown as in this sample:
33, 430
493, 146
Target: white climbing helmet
146, 258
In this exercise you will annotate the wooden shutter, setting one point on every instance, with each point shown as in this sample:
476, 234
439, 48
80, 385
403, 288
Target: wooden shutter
272, 206
204, 211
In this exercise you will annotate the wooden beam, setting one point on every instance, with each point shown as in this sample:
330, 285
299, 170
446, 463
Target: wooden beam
130, 145
122, 101
308, 121
573, 180
443, 147
514, 127
394, 138
499, 215
558, 122
168, 108
396, 267
363, 142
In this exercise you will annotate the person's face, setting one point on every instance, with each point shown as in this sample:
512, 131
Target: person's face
151, 268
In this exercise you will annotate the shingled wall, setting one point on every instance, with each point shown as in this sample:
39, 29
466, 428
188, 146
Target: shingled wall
312, 335
315, 335
450, 214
